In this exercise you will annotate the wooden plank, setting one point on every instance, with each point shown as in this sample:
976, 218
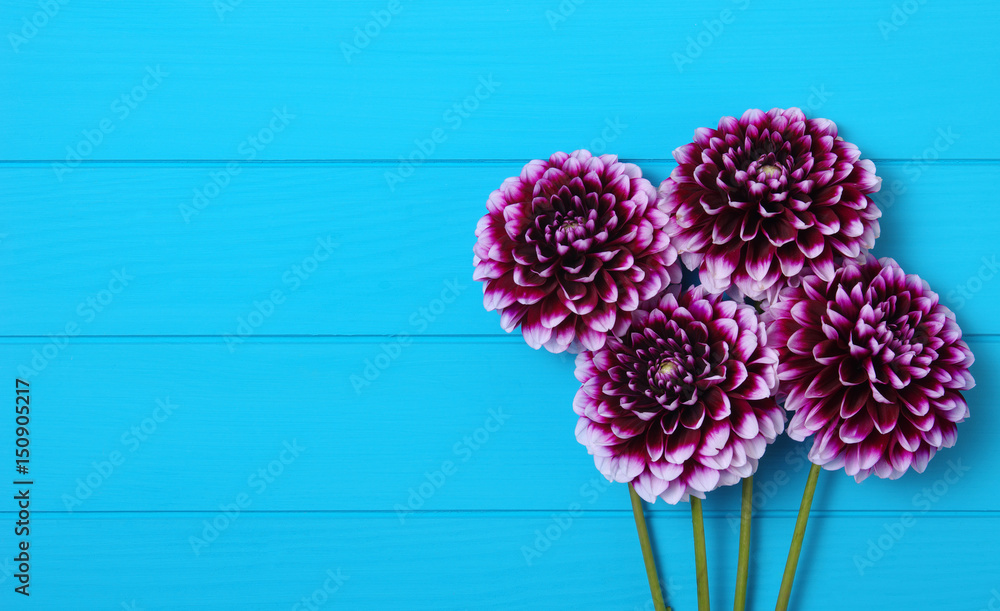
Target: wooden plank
198, 83
257, 240
393, 262
431, 425
490, 561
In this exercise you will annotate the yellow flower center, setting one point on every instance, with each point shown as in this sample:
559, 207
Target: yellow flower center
771, 171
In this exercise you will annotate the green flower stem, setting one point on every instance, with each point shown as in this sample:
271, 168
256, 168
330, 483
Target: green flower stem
647, 551
743, 568
701, 563
800, 530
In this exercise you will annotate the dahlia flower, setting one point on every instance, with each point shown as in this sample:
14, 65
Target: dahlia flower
570, 247
873, 365
758, 200
684, 401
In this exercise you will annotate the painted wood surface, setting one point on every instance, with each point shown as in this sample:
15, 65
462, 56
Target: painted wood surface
351, 258
235, 264
492, 561
210, 79
424, 433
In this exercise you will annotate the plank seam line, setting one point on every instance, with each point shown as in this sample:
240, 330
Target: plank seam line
384, 161
715, 513
320, 338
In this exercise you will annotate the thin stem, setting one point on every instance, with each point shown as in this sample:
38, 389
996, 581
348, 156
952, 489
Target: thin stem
701, 563
800, 530
647, 551
743, 568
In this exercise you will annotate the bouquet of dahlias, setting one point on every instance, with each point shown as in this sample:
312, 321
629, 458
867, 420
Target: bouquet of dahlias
683, 388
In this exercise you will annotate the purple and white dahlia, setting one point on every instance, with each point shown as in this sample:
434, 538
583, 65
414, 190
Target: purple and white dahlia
873, 366
762, 197
684, 401
570, 247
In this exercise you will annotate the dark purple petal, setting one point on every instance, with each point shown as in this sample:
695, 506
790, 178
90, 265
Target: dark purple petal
690, 385
880, 385
768, 181
570, 246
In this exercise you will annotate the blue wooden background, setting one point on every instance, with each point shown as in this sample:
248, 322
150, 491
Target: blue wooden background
235, 241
